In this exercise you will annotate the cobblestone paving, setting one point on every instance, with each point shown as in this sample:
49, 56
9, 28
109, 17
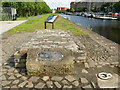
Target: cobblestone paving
53, 39
13, 79
85, 72
101, 55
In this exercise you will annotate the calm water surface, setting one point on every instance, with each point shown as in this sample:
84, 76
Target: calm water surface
107, 28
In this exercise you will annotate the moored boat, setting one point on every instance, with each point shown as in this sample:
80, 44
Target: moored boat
106, 18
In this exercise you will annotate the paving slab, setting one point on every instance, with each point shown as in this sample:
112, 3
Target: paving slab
10, 25
110, 83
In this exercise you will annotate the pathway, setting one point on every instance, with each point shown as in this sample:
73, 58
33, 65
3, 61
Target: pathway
84, 73
7, 25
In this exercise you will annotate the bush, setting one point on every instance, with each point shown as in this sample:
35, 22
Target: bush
60, 11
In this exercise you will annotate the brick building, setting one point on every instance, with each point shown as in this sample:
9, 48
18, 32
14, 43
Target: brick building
62, 8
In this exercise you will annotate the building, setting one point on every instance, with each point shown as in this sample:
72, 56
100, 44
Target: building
88, 5
62, 8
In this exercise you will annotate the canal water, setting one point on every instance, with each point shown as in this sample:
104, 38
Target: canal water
107, 28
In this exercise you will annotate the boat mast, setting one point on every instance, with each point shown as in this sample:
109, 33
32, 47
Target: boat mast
89, 6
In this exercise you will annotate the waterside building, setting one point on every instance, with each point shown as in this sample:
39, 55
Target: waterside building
62, 8
89, 5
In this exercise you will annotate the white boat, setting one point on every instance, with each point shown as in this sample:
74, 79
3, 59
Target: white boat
107, 18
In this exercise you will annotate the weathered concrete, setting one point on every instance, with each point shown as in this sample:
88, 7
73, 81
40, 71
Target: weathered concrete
36, 67
50, 40
110, 83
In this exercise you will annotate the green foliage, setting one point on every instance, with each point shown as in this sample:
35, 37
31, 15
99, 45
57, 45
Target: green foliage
94, 9
38, 23
72, 9
84, 9
60, 11
80, 9
0, 4
106, 5
68, 10
117, 6
26, 9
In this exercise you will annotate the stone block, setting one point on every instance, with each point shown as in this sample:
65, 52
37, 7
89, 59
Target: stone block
17, 55
24, 50
81, 59
35, 66
19, 59
70, 78
80, 56
57, 85
20, 64
16, 60
86, 65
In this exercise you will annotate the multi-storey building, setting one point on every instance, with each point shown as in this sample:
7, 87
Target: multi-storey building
89, 5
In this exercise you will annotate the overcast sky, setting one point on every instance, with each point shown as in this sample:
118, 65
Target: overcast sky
53, 4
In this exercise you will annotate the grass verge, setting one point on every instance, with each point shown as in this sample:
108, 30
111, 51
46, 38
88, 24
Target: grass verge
38, 23
22, 18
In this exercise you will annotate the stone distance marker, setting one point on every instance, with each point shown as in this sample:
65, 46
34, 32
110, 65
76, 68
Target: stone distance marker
50, 65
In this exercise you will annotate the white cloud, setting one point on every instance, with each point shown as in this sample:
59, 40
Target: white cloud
58, 3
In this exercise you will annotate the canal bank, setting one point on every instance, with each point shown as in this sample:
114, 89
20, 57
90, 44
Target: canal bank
98, 60
110, 29
112, 47
108, 44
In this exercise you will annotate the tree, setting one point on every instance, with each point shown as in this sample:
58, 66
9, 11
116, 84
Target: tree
105, 6
72, 9
25, 9
84, 9
80, 9
94, 9
60, 11
68, 10
116, 6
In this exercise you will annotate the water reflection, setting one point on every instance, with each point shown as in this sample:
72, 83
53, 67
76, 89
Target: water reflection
107, 28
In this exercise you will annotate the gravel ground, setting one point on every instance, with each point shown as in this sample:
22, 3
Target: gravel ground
99, 58
10, 42
95, 51
99, 53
